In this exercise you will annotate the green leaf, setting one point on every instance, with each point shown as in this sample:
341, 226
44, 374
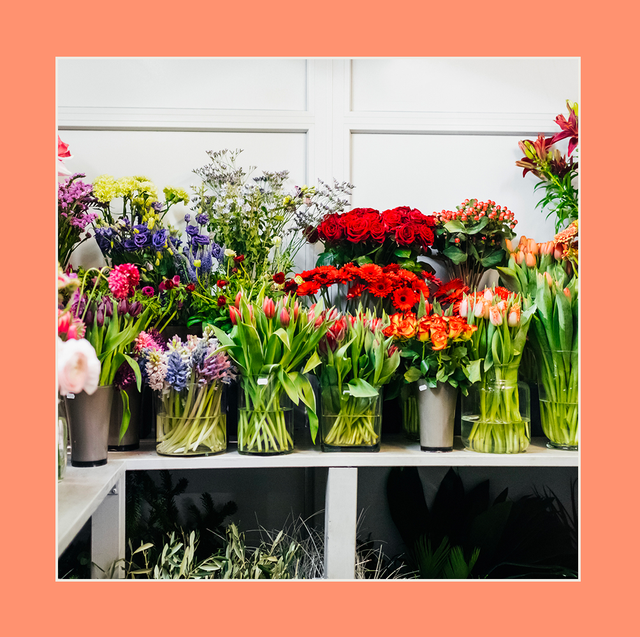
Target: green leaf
326, 258
126, 414
312, 363
455, 254
289, 385
412, 374
136, 370
493, 258
478, 226
455, 226
403, 253
363, 260
360, 388
473, 370
284, 337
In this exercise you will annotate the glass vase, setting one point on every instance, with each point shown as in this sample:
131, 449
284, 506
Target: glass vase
191, 422
558, 388
265, 417
63, 438
496, 413
410, 411
349, 423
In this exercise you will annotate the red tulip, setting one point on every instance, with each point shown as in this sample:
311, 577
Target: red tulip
269, 308
234, 315
284, 317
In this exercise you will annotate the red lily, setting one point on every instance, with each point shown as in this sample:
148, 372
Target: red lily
569, 128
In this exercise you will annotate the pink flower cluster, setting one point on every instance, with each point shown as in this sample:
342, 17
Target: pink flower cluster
123, 280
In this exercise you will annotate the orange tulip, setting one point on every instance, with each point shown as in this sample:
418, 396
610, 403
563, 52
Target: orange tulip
530, 260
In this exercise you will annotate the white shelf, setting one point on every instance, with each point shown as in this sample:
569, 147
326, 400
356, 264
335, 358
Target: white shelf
393, 452
80, 494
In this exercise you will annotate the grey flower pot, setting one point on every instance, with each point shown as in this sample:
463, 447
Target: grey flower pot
131, 439
89, 417
437, 408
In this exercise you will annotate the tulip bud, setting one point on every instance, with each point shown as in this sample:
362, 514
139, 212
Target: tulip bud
100, 315
464, 307
88, 318
532, 246
478, 309
495, 315
567, 293
488, 294
284, 317
530, 260
558, 253
519, 257
135, 308
123, 307
508, 245
234, 315
238, 297
269, 308
549, 279
514, 316
296, 311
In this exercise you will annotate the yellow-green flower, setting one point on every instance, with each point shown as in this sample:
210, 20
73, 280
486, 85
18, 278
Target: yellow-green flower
105, 188
175, 195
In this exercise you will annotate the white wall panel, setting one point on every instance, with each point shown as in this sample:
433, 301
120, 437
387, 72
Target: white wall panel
480, 85
262, 83
436, 172
168, 159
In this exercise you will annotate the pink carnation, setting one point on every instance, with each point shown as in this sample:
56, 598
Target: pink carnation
145, 341
123, 280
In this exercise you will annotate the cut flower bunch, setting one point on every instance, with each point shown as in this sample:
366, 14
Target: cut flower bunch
357, 361
492, 421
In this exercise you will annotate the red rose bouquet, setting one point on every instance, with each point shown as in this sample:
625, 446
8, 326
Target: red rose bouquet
364, 235
470, 240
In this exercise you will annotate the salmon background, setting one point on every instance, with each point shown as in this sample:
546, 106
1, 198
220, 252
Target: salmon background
603, 601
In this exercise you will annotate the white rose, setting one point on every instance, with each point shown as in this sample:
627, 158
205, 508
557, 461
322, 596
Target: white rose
78, 367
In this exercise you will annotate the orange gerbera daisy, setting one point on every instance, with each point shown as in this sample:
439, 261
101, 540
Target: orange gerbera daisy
369, 272
381, 287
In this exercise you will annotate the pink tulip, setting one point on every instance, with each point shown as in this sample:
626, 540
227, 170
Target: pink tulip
284, 317
238, 297
488, 294
234, 315
296, 311
464, 308
514, 316
269, 308
495, 315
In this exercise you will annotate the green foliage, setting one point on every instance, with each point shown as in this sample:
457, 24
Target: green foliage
465, 534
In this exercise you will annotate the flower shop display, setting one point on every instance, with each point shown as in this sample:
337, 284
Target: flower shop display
557, 172
77, 209
257, 218
495, 413
434, 354
138, 234
357, 361
365, 235
471, 239
548, 271
125, 380
273, 344
189, 380
389, 288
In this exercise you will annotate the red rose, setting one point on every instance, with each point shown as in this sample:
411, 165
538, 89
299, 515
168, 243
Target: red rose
377, 231
311, 234
405, 234
290, 286
278, 278
392, 218
239, 258
191, 287
222, 301
424, 235
221, 283
330, 230
357, 229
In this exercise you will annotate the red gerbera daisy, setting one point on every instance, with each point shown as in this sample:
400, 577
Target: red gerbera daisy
369, 272
348, 272
404, 299
308, 287
355, 291
381, 287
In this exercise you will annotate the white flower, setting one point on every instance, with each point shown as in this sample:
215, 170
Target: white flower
78, 367
230, 253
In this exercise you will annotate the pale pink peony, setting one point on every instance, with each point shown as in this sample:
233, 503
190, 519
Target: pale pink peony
78, 367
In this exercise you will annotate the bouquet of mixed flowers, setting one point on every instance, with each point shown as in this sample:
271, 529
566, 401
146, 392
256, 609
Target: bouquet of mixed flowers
492, 420
138, 235
471, 239
112, 322
357, 361
256, 218
556, 171
386, 288
75, 205
189, 378
273, 344
365, 235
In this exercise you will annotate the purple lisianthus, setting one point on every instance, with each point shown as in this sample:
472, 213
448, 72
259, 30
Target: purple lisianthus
142, 240
202, 219
191, 230
201, 240
130, 245
159, 239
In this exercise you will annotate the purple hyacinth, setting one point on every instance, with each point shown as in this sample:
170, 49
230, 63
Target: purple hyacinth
177, 371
